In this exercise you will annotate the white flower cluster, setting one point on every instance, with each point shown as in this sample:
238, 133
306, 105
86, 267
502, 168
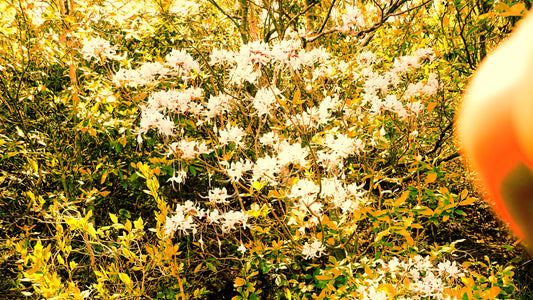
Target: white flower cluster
271, 150
178, 63
182, 219
184, 8
182, 62
231, 134
218, 195
377, 86
98, 49
269, 167
188, 149
217, 105
315, 116
305, 191
187, 216
248, 61
266, 99
352, 20
311, 199
176, 101
236, 170
37, 13
152, 119
347, 197
170, 101
313, 250
420, 278
429, 88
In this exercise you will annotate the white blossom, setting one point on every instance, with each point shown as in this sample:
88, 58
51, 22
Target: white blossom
313, 250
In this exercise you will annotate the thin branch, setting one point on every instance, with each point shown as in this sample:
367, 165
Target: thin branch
314, 38
441, 139
410, 9
380, 8
447, 158
327, 17
232, 19
306, 9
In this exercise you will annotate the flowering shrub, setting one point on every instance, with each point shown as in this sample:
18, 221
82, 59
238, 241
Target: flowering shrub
248, 162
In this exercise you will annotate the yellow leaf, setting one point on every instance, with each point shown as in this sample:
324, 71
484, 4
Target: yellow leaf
128, 226
382, 234
445, 21
431, 177
109, 108
463, 194
402, 199
125, 278
104, 176
416, 226
424, 210
516, 10
368, 271
293, 181
468, 201
128, 254
273, 194
198, 268
239, 282
72, 222
407, 237
114, 218
92, 132
38, 249
322, 277
377, 213
431, 106
492, 293
452, 205
88, 215
69, 19
31, 195
60, 259
388, 288
288, 294
90, 230
297, 97
34, 165
157, 171
138, 224
258, 185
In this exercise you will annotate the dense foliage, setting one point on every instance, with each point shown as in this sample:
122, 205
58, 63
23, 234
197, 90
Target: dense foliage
241, 149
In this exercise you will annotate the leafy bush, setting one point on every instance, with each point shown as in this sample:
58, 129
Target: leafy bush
212, 150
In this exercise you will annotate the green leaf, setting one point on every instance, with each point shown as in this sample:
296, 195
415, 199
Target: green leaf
124, 213
211, 267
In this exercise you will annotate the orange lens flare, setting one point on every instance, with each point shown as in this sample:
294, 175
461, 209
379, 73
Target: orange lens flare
495, 128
